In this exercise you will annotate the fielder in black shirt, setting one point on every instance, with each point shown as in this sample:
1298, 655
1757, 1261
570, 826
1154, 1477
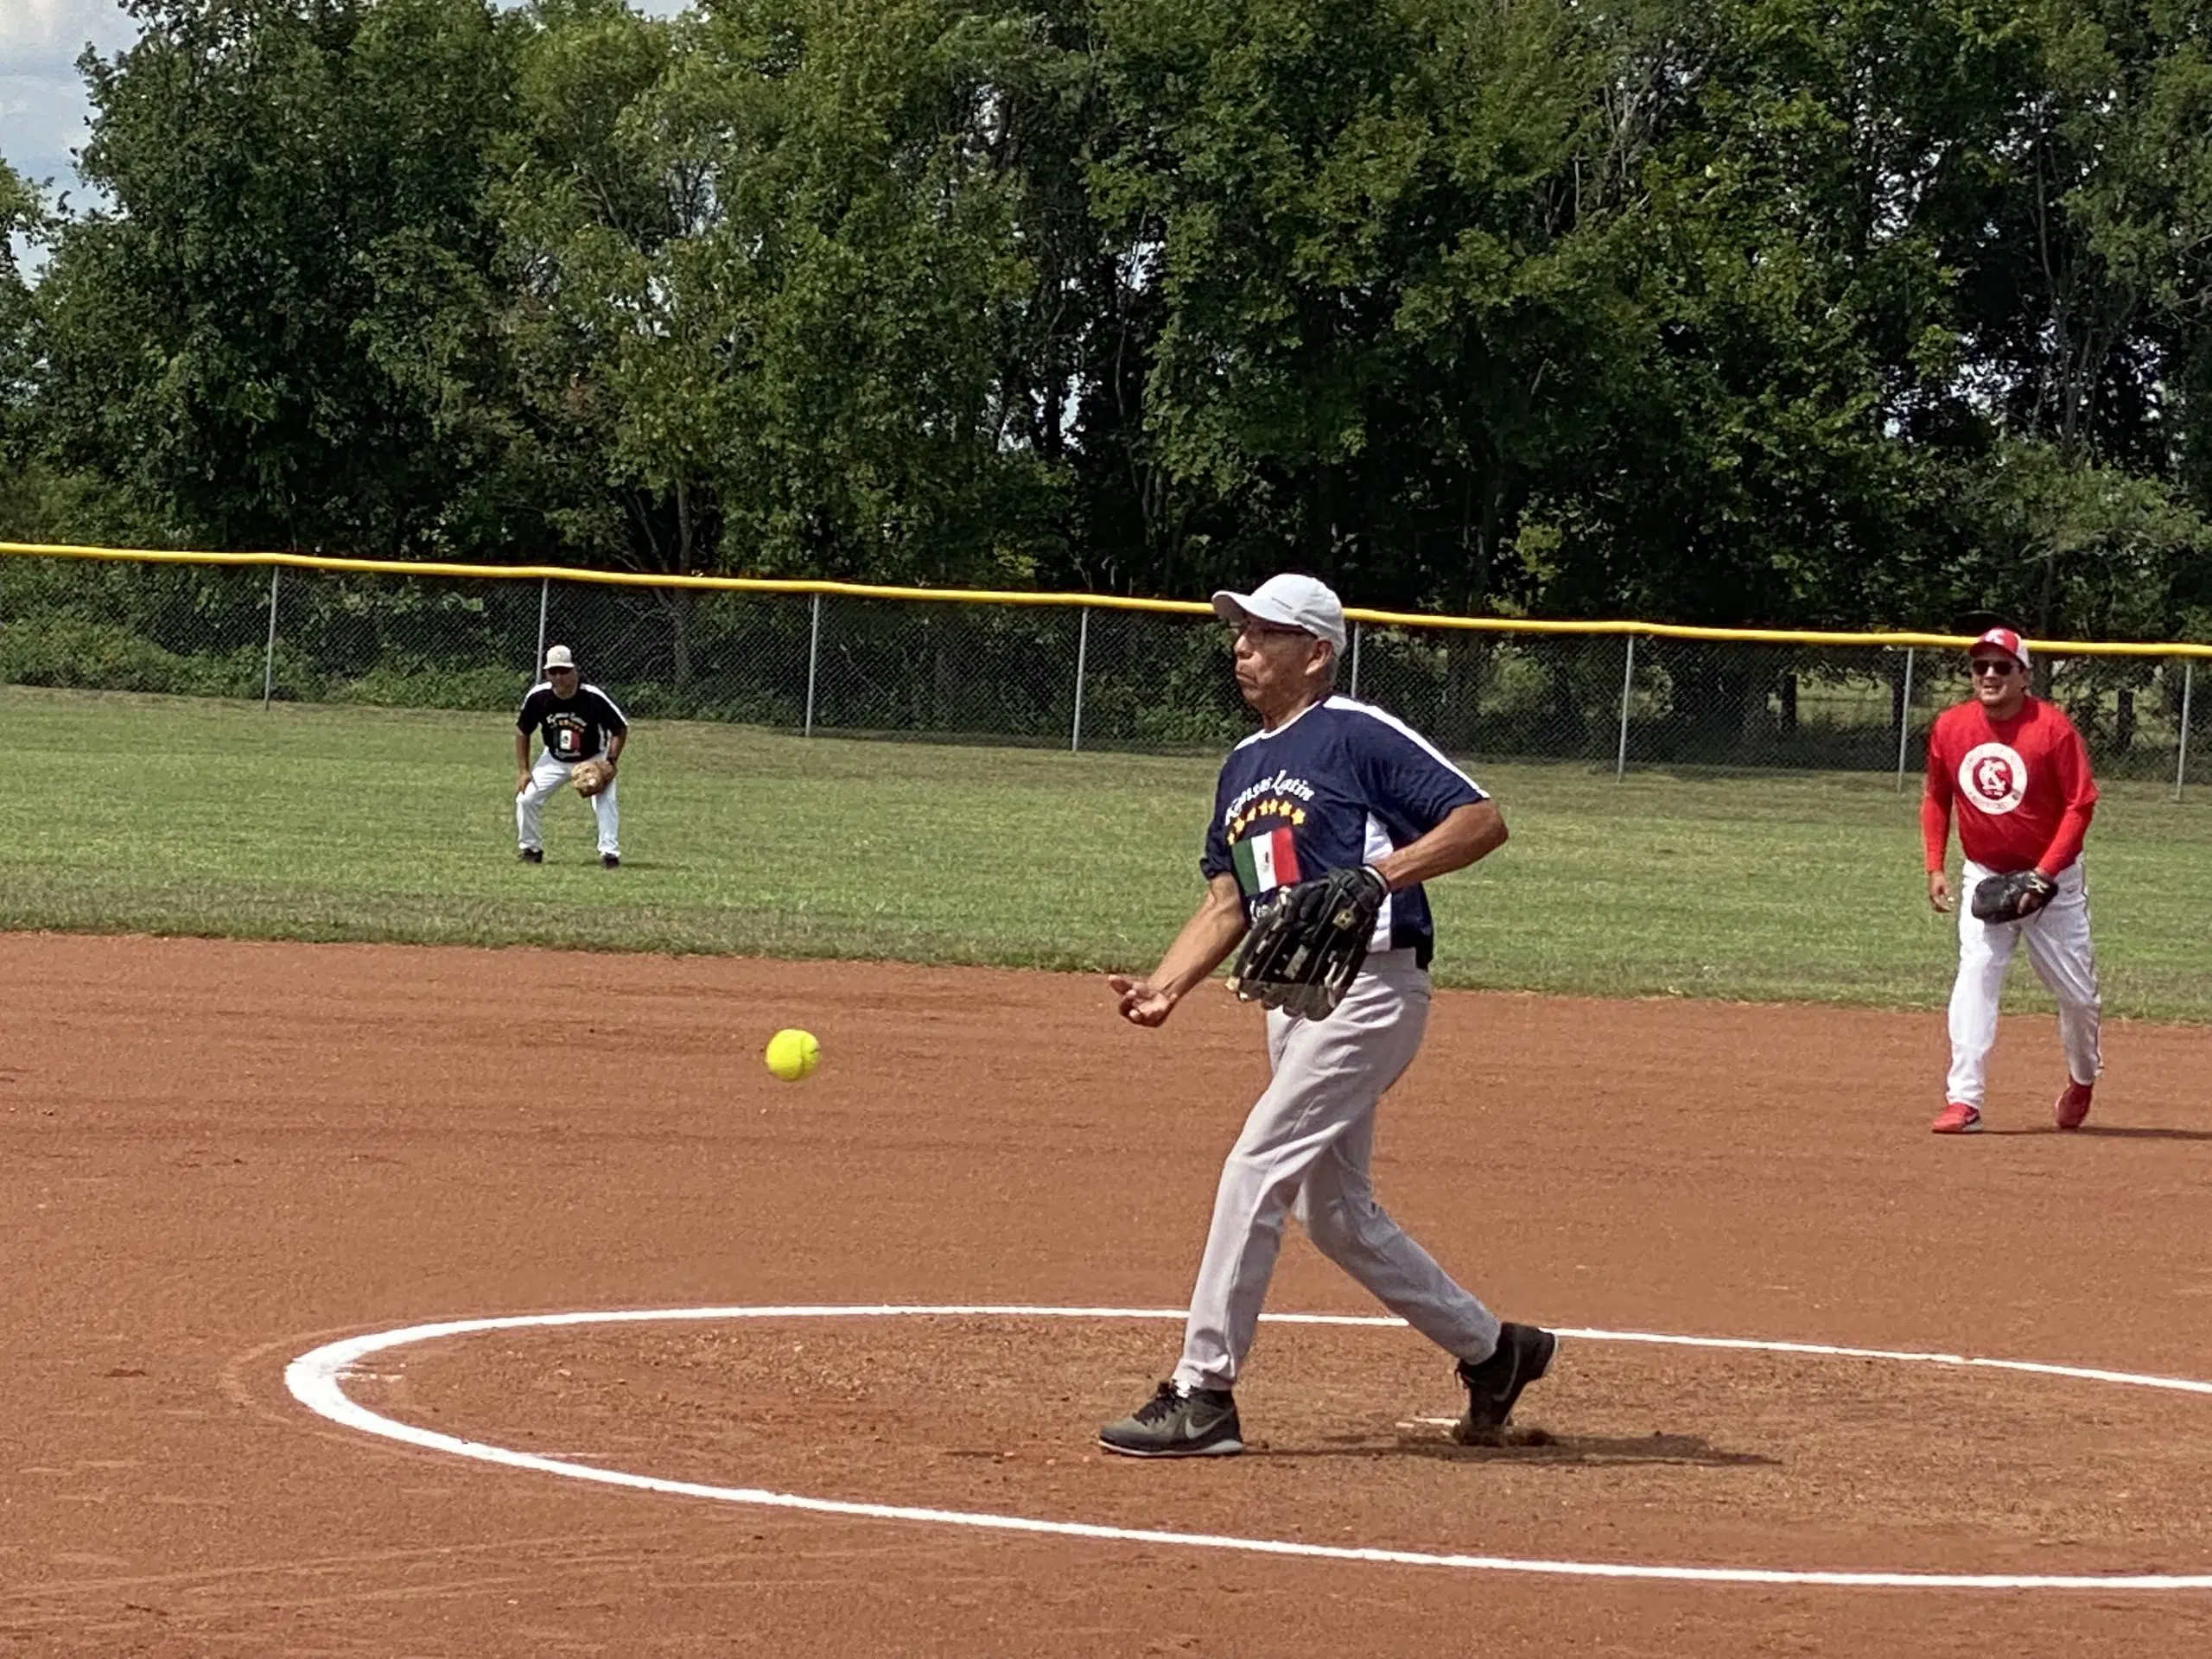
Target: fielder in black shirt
576, 723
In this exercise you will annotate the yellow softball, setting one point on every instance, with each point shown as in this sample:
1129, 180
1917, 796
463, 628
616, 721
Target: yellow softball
792, 1054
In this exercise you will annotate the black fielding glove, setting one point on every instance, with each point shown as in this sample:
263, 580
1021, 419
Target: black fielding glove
2011, 897
1308, 942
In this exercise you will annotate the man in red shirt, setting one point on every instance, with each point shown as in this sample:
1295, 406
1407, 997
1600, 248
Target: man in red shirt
2018, 775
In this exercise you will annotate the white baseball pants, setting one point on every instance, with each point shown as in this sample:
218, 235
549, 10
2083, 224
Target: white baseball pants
2058, 938
1307, 1143
549, 775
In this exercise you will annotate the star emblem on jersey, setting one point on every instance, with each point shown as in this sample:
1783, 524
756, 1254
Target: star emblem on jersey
1994, 777
1291, 814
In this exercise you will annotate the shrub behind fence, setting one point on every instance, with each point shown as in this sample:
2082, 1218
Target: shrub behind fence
1086, 672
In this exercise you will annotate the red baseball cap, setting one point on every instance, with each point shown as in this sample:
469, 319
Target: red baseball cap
2006, 641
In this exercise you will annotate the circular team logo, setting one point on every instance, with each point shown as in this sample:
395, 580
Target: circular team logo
1993, 777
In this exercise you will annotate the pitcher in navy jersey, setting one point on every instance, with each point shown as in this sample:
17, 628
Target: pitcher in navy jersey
1326, 783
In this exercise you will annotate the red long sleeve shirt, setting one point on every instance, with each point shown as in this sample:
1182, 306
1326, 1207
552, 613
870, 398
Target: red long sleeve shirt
2022, 787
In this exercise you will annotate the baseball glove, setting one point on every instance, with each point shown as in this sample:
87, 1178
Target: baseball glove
591, 777
1306, 943
2011, 897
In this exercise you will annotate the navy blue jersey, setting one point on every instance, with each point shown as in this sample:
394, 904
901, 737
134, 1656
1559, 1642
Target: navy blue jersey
1342, 783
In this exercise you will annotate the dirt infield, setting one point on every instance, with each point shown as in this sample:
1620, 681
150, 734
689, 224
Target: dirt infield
221, 1155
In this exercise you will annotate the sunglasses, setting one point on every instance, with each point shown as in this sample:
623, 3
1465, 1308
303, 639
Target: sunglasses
1265, 634
1996, 668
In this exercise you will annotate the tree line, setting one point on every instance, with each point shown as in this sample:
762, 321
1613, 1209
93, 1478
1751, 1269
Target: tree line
1786, 312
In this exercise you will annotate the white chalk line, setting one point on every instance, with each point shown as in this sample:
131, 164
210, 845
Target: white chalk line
317, 1379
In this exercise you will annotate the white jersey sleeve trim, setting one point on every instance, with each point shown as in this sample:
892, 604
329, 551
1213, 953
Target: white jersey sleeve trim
1379, 845
1399, 725
609, 702
1264, 733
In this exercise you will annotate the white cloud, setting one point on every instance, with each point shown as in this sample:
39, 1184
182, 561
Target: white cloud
42, 32
42, 120
42, 109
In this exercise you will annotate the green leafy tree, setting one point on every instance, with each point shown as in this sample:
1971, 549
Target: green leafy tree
2084, 325
1386, 241
22, 214
1765, 310
296, 189
1765, 467
764, 273
25, 491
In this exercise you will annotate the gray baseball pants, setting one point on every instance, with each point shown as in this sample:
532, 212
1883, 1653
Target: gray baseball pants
1307, 1146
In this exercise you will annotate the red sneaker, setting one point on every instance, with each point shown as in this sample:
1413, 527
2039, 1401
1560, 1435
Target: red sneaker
2073, 1106
1958, 1118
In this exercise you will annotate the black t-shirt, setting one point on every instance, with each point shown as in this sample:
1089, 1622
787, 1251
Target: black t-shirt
574, 728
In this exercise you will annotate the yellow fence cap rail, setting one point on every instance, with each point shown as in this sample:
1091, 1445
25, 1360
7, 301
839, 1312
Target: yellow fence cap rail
330, 565
1500, 625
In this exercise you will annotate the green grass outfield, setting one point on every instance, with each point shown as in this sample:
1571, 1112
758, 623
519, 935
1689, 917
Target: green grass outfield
176, 816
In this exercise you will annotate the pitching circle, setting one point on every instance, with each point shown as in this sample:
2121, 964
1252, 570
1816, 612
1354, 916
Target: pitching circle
317, 1379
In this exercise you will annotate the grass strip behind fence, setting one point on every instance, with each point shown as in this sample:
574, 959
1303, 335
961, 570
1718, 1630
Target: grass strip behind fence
185, 816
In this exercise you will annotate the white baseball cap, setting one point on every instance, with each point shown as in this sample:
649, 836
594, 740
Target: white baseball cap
1293, 602
559, 657
2006, 641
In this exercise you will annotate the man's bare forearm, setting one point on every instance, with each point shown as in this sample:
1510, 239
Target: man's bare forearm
1468, 833
1205, 941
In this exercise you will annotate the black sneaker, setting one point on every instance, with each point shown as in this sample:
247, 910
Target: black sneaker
1524, 1353
1199, 1424
532, 855
610, 861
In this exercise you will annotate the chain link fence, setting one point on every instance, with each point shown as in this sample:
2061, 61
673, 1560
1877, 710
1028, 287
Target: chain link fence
1085, 676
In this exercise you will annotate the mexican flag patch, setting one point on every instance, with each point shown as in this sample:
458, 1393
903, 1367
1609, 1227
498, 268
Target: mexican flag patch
1265, 862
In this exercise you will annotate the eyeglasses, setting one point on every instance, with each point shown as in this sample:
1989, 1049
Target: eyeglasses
1999, 669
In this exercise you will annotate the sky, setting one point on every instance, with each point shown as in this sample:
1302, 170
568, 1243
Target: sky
42, 99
